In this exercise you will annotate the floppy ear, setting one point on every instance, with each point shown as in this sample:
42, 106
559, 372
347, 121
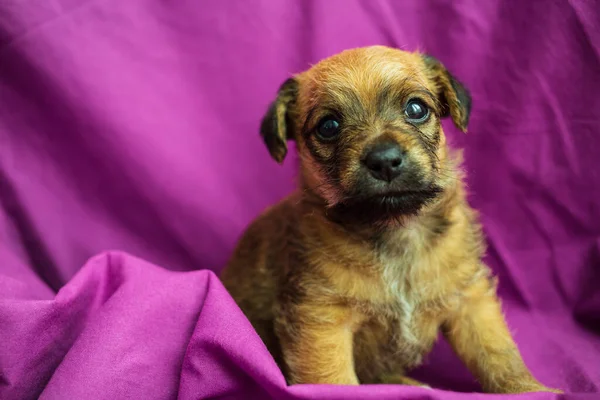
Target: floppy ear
277, 125
453, 95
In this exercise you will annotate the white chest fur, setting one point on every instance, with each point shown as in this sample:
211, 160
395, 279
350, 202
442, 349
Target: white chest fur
401, 257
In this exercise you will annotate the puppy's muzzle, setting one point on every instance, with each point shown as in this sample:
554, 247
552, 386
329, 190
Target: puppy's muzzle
385, 161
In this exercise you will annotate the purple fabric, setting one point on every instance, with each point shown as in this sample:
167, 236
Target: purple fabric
133, 125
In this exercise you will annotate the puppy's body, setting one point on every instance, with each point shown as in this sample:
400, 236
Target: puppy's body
390, 287
350, 279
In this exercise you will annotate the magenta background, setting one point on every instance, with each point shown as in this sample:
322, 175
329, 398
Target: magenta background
133, 125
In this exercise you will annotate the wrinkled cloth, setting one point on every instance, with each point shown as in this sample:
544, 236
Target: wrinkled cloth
133, 126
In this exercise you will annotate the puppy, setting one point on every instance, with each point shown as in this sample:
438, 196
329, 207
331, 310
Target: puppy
350, 278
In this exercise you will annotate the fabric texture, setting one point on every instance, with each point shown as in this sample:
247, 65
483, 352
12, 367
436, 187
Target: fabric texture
133, 126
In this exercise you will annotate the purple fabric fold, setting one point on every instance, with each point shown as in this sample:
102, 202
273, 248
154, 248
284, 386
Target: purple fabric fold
134, 126
124, 328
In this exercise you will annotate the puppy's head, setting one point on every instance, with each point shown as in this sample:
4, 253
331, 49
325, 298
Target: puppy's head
367, 126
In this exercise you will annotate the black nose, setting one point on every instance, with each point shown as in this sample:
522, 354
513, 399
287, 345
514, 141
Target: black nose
384, 161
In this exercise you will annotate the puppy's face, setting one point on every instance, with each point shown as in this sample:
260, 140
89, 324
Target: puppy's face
367, 126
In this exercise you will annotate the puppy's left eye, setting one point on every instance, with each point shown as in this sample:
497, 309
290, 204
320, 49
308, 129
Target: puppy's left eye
416, 111
328, 128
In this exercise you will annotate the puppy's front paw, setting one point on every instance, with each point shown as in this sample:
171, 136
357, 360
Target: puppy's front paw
403, 380
529, 387
547, 389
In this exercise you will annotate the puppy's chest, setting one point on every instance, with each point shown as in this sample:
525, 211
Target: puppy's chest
399, 290
383, 281
404, 285
401, 263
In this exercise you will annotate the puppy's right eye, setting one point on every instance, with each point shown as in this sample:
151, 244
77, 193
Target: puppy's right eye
328, 128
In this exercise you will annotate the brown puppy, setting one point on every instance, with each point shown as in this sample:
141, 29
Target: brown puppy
351, 277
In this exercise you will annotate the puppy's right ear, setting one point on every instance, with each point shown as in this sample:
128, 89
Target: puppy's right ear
277, 125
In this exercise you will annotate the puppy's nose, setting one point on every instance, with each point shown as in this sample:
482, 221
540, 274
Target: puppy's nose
384, 161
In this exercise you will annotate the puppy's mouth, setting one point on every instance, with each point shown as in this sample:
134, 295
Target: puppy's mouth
384, 206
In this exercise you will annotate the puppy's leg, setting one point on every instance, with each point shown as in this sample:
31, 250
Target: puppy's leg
480, 337
316, 342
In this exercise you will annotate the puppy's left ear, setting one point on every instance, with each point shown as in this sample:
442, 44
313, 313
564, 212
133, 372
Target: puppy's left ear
453, 95
277, 125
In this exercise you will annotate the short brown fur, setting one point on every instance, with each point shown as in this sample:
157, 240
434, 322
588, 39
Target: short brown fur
347, 301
